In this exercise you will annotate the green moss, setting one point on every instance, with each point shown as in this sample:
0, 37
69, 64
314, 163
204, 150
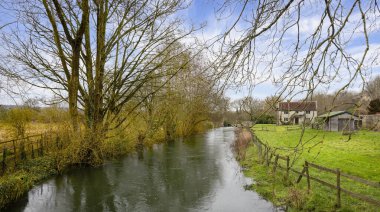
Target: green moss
358, 155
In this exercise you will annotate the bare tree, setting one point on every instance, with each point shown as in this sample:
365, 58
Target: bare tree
94, 55
373, 88
280, 41
252, 107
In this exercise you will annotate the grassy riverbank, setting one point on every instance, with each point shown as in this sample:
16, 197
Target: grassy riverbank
30, 172
357, 154
16, 182
22, 174
57, 158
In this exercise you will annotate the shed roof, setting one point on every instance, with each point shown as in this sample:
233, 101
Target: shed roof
334, 113
298, 106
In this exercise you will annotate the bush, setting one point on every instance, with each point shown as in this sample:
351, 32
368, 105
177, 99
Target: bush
265, 119
53, 115
3, 113
374, 106
297, 198
18, 119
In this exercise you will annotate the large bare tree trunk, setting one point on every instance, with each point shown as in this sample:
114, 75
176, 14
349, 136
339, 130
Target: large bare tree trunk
97, 64
75, 41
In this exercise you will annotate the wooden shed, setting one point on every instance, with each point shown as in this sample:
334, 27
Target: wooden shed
339, 121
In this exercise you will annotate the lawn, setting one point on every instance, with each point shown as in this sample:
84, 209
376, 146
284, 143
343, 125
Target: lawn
356, 154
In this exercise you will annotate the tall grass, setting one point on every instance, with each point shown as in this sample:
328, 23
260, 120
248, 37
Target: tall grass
242, 139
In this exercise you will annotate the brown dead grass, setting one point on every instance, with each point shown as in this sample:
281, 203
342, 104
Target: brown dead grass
242, 139
34, 128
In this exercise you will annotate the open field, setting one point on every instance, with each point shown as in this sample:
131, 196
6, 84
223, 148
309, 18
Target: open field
358, 154
7, 133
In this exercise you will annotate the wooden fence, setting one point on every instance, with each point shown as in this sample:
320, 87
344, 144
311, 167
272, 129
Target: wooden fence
269, 157
14, 151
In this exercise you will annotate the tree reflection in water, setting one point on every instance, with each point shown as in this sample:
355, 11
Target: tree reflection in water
197, 173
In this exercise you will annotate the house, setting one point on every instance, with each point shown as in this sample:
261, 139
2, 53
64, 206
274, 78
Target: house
296, 112
340, 121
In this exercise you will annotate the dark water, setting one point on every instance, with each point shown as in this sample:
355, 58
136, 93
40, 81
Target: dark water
196, 174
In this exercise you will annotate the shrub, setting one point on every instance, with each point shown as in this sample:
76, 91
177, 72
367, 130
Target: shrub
3, 113
242, 139
53, 115
374, 106
18, 119
265, 119
296, 198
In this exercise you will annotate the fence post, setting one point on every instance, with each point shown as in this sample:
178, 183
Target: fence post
4, 158
260, 151
14, 153
301, 175
307, 176
287, 167
42, 147
268, 156
264, 155
275, 164
338, 188
32, 150
22, 149
44, 142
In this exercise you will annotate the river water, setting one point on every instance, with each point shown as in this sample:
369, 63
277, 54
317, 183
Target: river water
194, 174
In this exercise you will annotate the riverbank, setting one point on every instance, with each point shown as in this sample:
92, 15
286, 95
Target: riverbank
274, 185
53, 154
196, 173
60, 154
30, 172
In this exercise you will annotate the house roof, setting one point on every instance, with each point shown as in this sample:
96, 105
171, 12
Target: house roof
334, 113
297, 106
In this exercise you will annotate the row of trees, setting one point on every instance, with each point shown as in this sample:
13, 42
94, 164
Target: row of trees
255, 110
97, 56
356, 102
264, 111
184, 104
111, 61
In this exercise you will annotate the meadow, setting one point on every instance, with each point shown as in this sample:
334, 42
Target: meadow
356, 154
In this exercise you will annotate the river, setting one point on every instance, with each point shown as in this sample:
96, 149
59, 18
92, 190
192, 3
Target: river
198, 173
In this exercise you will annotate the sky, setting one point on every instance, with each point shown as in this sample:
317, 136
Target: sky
205, 12
202, 12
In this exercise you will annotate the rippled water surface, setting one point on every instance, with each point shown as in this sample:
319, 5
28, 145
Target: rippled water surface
194, 174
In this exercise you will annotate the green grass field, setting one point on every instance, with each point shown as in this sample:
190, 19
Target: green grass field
357, 154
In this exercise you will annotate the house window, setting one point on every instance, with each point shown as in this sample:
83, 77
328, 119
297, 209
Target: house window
286, 119
286, 112
307, 112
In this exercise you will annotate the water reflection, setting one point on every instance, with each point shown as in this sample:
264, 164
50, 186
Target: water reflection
196, 174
